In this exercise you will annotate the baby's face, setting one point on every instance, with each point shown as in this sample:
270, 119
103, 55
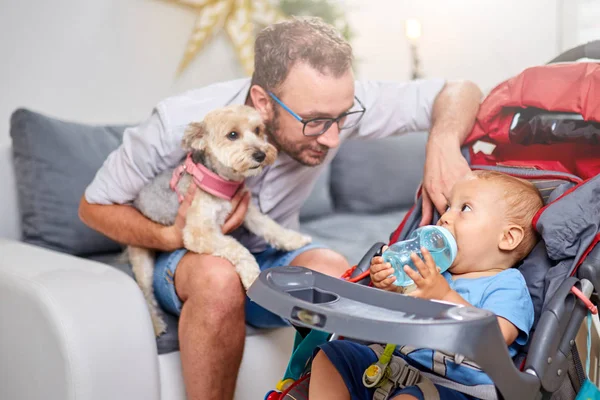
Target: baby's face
475, 217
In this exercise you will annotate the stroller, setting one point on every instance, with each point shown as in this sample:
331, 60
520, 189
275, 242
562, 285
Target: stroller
542, 125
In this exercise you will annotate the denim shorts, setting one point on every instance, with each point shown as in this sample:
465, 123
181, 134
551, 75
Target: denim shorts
164, 288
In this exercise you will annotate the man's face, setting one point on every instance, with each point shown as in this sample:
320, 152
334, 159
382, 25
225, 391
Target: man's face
309, 94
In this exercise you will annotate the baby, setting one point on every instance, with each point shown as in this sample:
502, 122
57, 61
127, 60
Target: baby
490, 215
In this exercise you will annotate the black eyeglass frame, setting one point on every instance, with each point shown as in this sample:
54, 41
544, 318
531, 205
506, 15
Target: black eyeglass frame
328, 121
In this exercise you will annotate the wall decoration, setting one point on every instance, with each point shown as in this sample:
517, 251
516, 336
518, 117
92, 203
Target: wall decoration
242, 19
239, 19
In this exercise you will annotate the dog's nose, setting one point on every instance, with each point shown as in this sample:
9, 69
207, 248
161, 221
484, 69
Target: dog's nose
259, 156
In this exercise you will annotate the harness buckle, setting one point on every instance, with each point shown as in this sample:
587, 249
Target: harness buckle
398, 374
406, 375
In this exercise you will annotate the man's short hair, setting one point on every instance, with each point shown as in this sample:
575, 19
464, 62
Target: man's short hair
308, 40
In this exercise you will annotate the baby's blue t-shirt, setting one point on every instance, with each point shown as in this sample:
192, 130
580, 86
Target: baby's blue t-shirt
506, 295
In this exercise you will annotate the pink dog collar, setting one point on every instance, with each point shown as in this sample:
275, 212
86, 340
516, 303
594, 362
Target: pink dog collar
205, 179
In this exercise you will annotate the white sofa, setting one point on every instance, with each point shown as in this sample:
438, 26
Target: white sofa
73, 328
79, 329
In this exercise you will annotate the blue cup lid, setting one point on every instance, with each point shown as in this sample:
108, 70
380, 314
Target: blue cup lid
450, 240
405, 281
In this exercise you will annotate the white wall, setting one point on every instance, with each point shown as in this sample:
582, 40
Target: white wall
110, 61
99, 61
587, 18
482, 40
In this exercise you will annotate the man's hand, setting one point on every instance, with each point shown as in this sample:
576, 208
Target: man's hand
453, 115
444, 166
239, 207
430, 283
382, 274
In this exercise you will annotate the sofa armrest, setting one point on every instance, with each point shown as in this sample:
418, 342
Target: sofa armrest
72, 329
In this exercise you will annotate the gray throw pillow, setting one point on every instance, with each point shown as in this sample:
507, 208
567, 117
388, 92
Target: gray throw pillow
319, 201
379, 175
54, 162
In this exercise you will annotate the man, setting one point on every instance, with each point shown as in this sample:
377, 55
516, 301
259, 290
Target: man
304, 88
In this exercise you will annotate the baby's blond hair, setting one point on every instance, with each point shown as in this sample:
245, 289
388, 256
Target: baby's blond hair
523, 201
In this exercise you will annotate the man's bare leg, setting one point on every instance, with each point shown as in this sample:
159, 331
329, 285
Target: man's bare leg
325, 261
211, 326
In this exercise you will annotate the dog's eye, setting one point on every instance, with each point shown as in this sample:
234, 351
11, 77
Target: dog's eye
233, 135
257, 130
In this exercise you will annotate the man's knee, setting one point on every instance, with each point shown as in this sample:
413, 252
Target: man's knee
326, 261
335, 259
211, 278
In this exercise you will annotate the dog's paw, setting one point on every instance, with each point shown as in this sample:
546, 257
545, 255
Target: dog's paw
248, 272
291, 240
158, 324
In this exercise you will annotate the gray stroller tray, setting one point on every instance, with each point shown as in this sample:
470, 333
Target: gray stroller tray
317, 301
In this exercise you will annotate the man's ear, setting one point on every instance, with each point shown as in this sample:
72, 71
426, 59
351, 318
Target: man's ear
262, 102
193, 136
511, 237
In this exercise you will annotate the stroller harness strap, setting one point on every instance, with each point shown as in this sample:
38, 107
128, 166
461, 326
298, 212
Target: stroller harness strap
485, 392
440, 358
402, 375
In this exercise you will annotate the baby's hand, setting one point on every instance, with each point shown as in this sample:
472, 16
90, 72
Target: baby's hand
380, 274
430, 283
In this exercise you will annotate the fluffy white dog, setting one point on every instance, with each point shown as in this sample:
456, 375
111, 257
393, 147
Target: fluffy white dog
228, 146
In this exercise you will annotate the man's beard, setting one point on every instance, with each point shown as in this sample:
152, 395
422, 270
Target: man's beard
299, 152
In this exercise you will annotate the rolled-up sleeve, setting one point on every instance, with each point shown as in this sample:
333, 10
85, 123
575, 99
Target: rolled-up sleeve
146, 150
396, 107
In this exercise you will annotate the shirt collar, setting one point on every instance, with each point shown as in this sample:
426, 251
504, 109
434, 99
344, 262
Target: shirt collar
240, 97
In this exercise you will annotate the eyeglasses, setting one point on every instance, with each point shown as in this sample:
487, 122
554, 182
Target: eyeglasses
318, 126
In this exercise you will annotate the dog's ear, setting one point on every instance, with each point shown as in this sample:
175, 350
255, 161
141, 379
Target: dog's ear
192, 138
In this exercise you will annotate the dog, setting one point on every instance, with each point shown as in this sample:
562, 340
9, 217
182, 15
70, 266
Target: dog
229, 145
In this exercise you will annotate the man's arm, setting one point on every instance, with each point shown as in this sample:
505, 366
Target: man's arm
126, 225
395, 108
453, 116
446, 110
146, 150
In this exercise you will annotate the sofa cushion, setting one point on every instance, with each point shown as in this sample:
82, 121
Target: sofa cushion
352, 234
319, 203
54, 162
374, 176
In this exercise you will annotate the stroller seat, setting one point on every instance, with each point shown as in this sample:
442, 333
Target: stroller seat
317, 301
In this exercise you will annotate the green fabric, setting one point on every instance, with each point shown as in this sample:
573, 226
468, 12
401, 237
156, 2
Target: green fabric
588, 390
302, 352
